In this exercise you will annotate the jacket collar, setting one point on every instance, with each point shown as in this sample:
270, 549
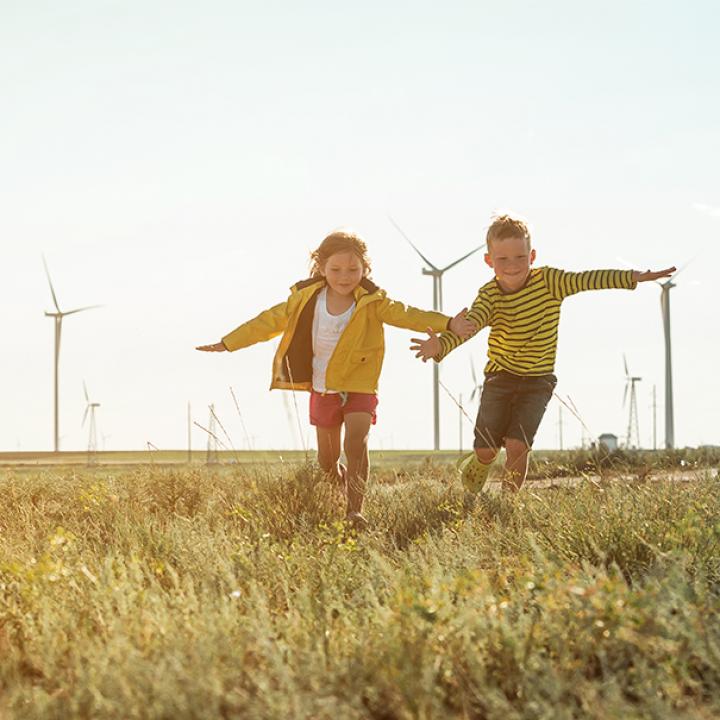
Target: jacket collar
366, 289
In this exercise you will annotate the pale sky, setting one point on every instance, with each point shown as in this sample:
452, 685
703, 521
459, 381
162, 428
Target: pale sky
176, 162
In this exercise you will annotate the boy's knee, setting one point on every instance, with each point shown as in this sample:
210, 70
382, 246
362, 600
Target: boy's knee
516, 448
486, 455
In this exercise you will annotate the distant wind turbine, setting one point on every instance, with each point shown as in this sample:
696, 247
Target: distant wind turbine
437, 276
59, 315
92, 430
475, 393
633, 415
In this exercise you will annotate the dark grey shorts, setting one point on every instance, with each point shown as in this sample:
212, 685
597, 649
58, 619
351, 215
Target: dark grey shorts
511, 406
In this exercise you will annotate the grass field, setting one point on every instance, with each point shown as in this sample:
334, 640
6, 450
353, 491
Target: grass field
234, 591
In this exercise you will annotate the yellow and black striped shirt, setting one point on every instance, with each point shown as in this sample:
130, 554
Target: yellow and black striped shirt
524, 324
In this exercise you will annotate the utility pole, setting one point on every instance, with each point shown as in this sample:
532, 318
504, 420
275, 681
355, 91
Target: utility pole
189, 434
654, 407
212, 444
460, 410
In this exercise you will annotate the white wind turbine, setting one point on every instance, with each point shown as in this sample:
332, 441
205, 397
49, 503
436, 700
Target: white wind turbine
475, 393
92, 430
666, 287
437, 276
633, 415
59, 315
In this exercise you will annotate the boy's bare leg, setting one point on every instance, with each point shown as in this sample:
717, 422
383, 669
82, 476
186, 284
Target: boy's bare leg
357, 430
328, 442
486, 455
516, 464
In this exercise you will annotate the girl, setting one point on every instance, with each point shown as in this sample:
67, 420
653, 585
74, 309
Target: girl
332, 345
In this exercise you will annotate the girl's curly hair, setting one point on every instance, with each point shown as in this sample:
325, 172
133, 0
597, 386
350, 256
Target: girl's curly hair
338, 241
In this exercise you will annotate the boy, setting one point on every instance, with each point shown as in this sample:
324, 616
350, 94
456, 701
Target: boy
521, 305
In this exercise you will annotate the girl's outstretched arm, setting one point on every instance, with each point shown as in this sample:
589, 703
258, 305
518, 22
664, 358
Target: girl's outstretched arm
216, 347
428, 348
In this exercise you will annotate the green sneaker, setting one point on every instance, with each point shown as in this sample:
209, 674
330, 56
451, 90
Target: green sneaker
473, 473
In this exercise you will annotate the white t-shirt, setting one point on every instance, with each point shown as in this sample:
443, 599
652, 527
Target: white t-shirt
327, 329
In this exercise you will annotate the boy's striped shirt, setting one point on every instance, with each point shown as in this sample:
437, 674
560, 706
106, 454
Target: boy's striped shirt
524, 324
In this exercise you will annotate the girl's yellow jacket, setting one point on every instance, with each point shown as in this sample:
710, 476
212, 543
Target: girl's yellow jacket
357, 359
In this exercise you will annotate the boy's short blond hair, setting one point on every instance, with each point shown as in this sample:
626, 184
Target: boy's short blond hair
506, 226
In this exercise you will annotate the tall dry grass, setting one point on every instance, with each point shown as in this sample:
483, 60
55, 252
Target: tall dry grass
237, 593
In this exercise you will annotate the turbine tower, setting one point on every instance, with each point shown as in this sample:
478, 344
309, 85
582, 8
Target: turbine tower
669, 410
59, 315
437, 275
633, 416
92, 431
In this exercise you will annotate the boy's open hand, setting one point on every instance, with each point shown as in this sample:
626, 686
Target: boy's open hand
426, 349
653, 275
217, 347
461, 326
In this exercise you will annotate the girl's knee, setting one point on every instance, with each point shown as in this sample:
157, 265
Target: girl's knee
356, 446
486, 455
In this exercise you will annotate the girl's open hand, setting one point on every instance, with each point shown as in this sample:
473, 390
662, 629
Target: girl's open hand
426, 349
217, 347
653, 275
461, 326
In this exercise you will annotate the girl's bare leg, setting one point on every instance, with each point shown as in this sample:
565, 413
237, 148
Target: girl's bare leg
357, 430
328, 443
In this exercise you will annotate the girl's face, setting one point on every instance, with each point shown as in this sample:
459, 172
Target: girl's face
343, 272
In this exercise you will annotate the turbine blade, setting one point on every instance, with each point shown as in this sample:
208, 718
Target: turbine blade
82, 424
682, 267
626, 367
472, 370
412, 245
77, 310
52, 289
624, 261
464, 257
87, 399
625, 394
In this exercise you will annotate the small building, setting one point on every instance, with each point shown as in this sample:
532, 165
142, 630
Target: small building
609, 440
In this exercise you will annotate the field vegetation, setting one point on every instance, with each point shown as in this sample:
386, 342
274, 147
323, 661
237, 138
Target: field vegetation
235, 591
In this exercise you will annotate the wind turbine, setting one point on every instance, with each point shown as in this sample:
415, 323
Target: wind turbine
633, 416
92, 431
665, 288
477, 387
59, 315
437, 275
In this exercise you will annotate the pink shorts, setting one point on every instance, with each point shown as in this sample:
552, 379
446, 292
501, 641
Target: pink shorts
329, 410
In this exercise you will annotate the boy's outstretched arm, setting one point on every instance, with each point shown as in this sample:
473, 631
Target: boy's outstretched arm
426, 349
216, 347
652, 274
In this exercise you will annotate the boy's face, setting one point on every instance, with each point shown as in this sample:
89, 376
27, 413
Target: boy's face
511, 259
